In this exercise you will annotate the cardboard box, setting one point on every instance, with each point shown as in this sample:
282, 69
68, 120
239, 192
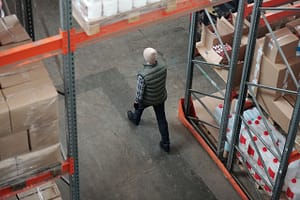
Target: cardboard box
223, 73
8, 169
38, 160
209, 40
291, 99
31, 103
256, 62
280, 110
29, 163
294, 26
15, 76
246, 25
286, 40
272, 74
13, 145
43, 135
5, 128
47, 191
11, 30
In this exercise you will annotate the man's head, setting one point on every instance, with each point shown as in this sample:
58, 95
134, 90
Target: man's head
150, 55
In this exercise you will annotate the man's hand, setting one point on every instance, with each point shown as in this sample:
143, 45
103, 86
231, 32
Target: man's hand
136, 105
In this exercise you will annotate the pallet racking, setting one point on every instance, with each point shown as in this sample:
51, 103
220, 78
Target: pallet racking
201, 128
65, 43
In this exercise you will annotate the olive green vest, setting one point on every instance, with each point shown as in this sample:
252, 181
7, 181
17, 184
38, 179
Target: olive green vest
155, 84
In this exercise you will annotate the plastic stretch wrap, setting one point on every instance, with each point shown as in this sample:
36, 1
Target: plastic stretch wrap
47, 191
29, 138
5, 128
27, 164
43, 135
257, 136
11, 30
31, 103
16, 75
13, 145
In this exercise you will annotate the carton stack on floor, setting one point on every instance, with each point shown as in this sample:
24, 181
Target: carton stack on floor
29, 139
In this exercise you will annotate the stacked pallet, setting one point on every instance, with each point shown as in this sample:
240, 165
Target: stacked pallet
29, 139
91, 14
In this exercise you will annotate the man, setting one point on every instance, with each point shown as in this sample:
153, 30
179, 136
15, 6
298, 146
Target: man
151, 91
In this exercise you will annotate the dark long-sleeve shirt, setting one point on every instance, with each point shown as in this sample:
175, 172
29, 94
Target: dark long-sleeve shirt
140, 86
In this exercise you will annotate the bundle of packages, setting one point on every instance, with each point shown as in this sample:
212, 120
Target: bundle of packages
29, 138
260, 147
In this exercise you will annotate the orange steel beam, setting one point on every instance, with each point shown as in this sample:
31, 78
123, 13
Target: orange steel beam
55, 45
268, 3
181, 9
43, 48
277, 16
66, 166
211, 153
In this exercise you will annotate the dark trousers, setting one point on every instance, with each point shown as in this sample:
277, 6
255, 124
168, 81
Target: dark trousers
160, 117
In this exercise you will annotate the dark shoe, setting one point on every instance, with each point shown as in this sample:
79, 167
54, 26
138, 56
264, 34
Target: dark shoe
165, 147
130, 117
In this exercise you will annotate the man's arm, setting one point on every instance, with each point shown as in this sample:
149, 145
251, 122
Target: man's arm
139, 89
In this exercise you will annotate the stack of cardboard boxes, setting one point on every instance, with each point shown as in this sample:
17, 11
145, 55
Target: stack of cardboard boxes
268, 68
209, 43
29, 139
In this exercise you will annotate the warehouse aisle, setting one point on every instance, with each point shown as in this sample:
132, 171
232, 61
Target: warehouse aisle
117, 159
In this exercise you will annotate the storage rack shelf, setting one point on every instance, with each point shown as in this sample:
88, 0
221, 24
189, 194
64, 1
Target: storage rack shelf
34, 179
201, 129
69, 39
55, 45
65, 43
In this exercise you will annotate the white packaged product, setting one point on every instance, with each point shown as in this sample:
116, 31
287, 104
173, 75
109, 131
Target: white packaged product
244, 141
293, 190
139, 3
110, 7
125, 5
291, 173
91, 9
218, 113
251, 114
252, 150
261, 129
273, 168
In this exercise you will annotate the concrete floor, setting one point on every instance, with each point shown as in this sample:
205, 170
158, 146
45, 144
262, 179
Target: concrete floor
118, 160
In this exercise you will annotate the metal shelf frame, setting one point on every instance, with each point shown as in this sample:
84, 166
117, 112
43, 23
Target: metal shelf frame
65, 43
244, 89
69, 39
189, 117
